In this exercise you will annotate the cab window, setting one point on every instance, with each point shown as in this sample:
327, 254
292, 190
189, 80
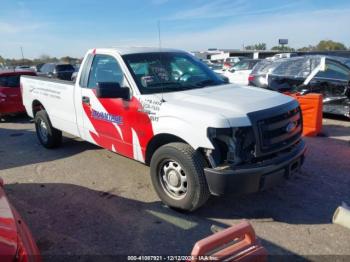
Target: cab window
105, 68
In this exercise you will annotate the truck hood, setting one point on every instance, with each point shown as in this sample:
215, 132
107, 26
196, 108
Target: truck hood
232, 102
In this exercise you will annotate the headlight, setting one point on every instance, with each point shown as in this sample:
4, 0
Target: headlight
232, 145
215, 132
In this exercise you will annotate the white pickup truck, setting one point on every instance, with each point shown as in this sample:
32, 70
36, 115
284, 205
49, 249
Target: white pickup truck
168, 110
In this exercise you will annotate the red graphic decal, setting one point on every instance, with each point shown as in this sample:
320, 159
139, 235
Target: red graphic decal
107, 135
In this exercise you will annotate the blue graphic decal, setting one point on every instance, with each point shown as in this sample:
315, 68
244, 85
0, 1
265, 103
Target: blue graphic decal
107, 117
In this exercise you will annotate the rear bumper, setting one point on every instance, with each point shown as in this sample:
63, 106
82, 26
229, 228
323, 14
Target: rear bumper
254, 178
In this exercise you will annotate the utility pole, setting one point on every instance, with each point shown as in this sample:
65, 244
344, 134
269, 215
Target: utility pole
22, 54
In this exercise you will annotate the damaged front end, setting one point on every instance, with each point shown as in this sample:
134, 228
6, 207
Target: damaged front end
233, 146
253, 158
337, 101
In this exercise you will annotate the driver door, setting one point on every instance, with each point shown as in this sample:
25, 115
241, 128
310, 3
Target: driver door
105, 120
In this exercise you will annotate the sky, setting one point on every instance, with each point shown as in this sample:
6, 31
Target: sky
70, 27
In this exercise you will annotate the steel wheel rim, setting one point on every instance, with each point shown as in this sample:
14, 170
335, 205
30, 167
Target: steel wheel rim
173, 179
43, 132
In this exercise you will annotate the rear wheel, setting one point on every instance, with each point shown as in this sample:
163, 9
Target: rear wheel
178, 177
48, 136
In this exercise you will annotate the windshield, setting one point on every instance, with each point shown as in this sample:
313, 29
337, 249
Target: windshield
169, 72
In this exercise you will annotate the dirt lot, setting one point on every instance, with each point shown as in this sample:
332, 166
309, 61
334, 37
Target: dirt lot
82, 200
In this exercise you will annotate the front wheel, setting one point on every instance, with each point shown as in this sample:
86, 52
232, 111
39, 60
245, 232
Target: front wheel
177, 173
48, 136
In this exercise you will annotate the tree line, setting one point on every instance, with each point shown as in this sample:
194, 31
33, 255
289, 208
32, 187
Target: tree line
41, 60
324, 45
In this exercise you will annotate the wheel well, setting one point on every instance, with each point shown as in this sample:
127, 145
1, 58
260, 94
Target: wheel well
37, 106
158, 141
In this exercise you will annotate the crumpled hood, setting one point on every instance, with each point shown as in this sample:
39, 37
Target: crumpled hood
231, 101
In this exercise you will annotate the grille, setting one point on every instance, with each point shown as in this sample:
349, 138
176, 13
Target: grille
280, 131
277, 128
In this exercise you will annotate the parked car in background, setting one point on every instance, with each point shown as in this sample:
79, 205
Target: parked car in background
308, 74
75, 74
257, 76
23, 67
230, 61
16, 241
38, 67
59, 71
239, 73
77, 67
343, 60
10, 93
217, 68
281, 56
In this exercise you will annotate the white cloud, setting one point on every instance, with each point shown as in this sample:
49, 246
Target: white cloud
15, 28
301, 29
212, 9
227, 8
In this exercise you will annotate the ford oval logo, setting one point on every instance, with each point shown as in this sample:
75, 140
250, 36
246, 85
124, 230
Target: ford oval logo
291, 126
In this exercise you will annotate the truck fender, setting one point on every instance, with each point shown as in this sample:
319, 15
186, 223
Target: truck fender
194, 136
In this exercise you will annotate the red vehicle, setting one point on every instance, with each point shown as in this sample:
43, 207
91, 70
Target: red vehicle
16, 241
235, 244
10, 92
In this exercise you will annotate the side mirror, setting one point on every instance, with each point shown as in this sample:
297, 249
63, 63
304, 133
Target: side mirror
112, 90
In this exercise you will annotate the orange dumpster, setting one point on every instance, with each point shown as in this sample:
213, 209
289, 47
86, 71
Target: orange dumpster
311, 108
237, 243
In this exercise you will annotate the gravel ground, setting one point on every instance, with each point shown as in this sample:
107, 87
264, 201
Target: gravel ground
82, 200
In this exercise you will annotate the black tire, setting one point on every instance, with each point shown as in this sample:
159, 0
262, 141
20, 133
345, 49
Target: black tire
53, 137
192, 163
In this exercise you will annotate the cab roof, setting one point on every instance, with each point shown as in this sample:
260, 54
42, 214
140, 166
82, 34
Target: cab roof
138, 50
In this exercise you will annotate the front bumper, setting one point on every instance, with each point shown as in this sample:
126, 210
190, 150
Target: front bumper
257, 177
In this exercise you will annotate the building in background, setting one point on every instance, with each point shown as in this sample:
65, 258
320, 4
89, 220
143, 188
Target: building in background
221, 54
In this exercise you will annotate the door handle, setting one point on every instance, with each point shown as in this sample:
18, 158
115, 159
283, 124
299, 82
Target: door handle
86, 100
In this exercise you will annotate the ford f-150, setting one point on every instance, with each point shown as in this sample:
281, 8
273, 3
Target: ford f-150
163, 107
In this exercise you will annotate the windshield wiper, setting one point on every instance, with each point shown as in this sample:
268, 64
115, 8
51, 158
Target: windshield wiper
166, 87
164, 84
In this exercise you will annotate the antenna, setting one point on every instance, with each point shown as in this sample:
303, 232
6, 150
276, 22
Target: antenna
159, 37
160, 56
22, 54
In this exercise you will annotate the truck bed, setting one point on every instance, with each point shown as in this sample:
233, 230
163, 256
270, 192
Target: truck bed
47, 79
56, 96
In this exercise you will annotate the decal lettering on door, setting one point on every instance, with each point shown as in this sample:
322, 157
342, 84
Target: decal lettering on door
135, 127
106, 117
